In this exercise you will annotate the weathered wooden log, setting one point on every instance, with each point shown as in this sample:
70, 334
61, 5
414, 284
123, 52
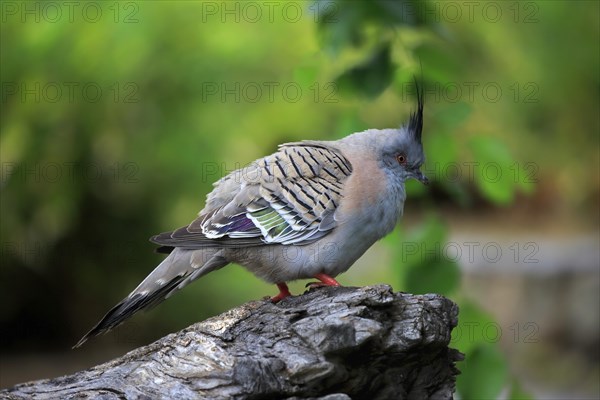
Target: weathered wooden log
330, 343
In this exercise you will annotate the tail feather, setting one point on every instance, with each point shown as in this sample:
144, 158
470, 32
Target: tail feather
172, 274
129, 306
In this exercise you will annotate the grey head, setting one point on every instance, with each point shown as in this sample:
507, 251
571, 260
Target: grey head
399, 151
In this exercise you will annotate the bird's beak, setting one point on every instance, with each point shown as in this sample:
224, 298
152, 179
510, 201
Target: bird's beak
418, 175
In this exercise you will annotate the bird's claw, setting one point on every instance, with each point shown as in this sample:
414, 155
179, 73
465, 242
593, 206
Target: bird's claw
283, 293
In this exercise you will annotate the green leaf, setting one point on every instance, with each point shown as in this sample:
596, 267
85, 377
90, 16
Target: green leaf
436, 276
441, 150
418, 243
371, 77
344, 23
405, 12
338, 24
423, 264
483, 373
495, 169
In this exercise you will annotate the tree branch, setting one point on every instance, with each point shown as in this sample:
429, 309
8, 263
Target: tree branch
330, 343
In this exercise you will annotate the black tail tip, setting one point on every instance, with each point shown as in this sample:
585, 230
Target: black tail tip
81, 342
95, 331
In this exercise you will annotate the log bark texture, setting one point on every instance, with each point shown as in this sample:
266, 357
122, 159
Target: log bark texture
330, 343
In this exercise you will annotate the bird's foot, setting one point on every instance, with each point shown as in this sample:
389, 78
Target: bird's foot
284, 292
325, 280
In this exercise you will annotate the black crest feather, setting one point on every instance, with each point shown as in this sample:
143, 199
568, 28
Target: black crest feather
415, 125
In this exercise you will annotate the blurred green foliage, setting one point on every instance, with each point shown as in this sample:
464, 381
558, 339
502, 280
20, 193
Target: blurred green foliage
421, 263
113, 129
419, 256
423, 267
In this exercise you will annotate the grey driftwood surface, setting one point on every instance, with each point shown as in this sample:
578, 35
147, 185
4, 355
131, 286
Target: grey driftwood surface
330, 343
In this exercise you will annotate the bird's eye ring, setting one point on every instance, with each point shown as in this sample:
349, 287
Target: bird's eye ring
401, 158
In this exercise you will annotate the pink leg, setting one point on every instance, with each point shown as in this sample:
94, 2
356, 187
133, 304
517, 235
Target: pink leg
327, 280
284, 292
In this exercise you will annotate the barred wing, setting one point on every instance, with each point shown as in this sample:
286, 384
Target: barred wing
289, 197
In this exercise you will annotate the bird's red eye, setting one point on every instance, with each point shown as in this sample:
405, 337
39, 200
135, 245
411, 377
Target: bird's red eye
401, 158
